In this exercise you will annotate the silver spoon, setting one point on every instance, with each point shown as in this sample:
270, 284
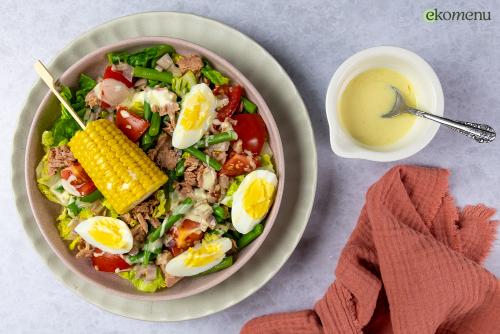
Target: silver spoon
481, 133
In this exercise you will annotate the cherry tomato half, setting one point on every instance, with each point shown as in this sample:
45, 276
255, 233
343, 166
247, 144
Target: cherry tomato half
185, 235
238, 164
81, 182
130, 124
252, 131
117, 75
105, 105
234, 94
109, 262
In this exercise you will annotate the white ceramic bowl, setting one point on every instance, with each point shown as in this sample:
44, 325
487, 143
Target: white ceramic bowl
429, 96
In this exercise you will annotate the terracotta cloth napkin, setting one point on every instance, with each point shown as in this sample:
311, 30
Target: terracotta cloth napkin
412, 265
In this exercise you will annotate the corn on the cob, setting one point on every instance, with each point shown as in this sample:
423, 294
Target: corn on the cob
119, 168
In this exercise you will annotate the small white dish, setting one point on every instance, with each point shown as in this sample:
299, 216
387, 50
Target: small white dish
429, 96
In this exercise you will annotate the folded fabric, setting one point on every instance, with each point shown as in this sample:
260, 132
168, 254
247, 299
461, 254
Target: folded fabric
411, 265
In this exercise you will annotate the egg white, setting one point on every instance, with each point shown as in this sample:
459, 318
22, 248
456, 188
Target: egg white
177, 266
183, 138
242, 221
83, 229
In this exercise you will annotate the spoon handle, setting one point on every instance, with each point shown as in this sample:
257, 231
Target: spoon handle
482, 133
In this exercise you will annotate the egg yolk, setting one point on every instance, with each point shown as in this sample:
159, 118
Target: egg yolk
207, 253
107, 233
195, 112
258, 198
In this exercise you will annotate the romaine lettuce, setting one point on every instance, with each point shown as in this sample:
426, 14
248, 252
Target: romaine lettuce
266, 163
228, 199
65, 126
112, 212
46, 181
141, 284
213, 75
47, 140
182, 85
160, 209
64, 225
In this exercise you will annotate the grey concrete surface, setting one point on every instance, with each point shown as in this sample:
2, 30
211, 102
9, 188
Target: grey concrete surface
310, 39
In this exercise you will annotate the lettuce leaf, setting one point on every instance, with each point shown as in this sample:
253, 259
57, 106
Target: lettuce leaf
161, 208
73, 243
146, 57
213, 75
64, 129
266, 163
141, 284
65, 126
112, 212
86, 213
47, 140
45, 181
233, 186
182, 85
86, 85
64, 225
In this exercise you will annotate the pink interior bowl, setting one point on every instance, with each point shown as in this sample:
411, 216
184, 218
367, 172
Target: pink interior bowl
45, 212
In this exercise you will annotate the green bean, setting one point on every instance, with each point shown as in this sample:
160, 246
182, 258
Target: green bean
249, 106
169, 186
154, 128
74, 209
147, 141
236, 235
220, 212
184, 207
153, 247
204, 158
92, 197
151, 74
250, 236
216, 139
145, 259
231, 234
167, 224
179, 168
147, 111
225, 263
137, 258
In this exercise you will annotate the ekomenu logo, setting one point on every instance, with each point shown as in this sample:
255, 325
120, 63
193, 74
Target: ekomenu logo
433, 15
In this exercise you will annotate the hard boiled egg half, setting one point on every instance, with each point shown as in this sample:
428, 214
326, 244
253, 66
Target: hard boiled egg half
199, 258
196, 116
252, 200
108, 234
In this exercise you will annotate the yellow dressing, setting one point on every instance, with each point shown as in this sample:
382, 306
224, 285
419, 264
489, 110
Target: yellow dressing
207, 253
107, 233
258, 198
195, 112
366, 98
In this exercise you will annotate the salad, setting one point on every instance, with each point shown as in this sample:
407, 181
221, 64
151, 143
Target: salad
204, 134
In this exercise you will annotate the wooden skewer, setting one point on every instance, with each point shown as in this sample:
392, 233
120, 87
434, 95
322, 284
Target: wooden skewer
49, 81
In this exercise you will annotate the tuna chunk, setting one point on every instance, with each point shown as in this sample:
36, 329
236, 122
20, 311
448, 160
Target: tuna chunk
163, 154
59, 157
191, 63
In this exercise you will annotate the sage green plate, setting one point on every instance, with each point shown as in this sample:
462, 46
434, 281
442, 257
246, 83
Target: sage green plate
300, 158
